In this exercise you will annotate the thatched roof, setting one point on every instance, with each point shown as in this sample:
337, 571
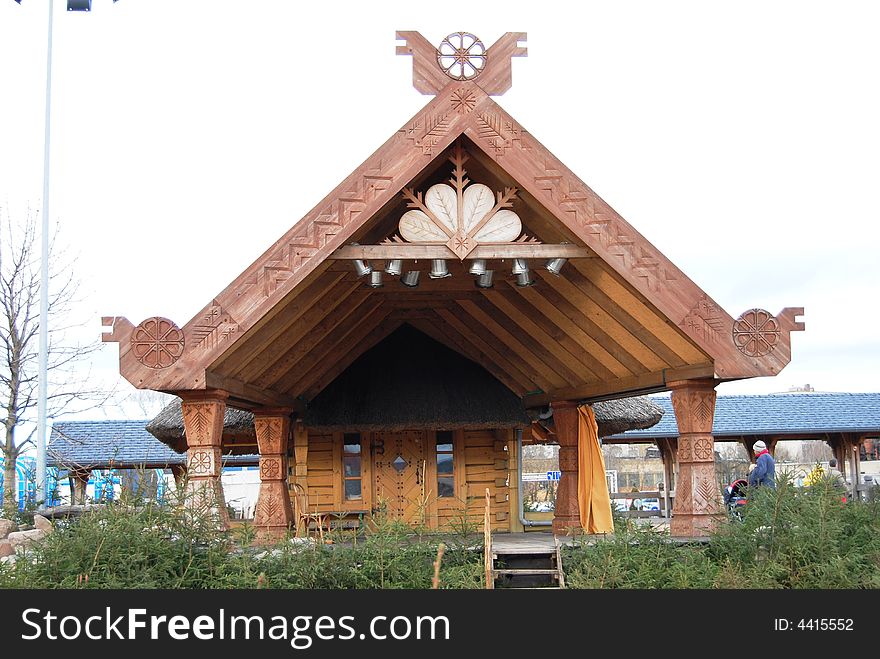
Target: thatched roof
634, 413
238, 427
616, 416
409, 381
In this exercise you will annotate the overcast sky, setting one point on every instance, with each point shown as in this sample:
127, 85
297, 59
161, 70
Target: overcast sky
742, 139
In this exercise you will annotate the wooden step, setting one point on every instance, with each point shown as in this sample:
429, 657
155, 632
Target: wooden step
524, 571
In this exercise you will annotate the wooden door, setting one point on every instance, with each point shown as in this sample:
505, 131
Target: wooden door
399, 468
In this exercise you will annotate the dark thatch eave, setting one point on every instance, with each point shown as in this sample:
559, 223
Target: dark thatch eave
612, 416
616, 416
409, 381
238, 428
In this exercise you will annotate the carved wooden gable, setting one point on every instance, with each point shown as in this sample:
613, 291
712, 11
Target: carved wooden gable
462, 218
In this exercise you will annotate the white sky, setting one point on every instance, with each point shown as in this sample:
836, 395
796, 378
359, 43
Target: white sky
742, 139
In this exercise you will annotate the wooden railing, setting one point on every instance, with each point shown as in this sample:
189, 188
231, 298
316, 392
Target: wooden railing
666, 500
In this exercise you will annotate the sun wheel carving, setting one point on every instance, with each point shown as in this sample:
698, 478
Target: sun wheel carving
756, 332
157, 342
462, 56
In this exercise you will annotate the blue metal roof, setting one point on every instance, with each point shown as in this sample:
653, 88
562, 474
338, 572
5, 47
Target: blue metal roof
120, 443
778, 414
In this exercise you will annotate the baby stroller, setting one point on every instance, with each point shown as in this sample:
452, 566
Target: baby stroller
735, 498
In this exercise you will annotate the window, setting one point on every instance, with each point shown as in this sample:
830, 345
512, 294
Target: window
445, 465
351, 466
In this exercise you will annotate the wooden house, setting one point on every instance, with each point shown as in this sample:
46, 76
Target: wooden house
466, 273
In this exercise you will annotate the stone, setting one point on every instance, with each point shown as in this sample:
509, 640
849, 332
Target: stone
26, 538
7, 526
6, 548
8, 560
42, 524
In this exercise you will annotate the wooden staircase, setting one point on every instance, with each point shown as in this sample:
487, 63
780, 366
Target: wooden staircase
527, 567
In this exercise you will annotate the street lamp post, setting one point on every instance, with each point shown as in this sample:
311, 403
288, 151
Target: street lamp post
42, 378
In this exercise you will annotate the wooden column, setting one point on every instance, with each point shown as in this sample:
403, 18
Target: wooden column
179, 474
203, 414
301, 457
697, 509
668, 448
839, 450
273, 514
567, 517
79, 482
855, 460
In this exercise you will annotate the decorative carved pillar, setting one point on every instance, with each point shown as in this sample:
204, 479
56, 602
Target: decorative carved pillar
697, 509
273, 514
567, 517
203, 414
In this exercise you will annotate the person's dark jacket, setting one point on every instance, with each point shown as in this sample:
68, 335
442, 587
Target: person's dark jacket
764, 472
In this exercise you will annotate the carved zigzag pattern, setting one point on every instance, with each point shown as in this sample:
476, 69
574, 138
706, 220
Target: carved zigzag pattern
315, 234
582, 207
501, 132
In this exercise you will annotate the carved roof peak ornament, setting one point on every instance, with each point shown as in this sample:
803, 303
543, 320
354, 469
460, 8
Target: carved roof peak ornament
461, 56
460, 215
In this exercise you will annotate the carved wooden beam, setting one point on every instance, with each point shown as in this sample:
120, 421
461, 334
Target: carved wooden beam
622, 387
255, 396
409, 251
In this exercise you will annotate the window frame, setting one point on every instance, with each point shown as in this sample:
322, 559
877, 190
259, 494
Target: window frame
364, 503
455, 467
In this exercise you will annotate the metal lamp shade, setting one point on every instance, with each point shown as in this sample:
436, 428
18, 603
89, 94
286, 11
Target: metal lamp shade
554, 266
362, 268
438, 269
478, 267
376, 279
394, 267
524, 279
519, 267
485, 279
410, 279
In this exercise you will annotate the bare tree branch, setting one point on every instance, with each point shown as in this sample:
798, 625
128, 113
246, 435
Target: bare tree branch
70, 388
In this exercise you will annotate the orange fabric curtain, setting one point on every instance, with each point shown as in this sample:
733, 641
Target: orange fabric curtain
593, 498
